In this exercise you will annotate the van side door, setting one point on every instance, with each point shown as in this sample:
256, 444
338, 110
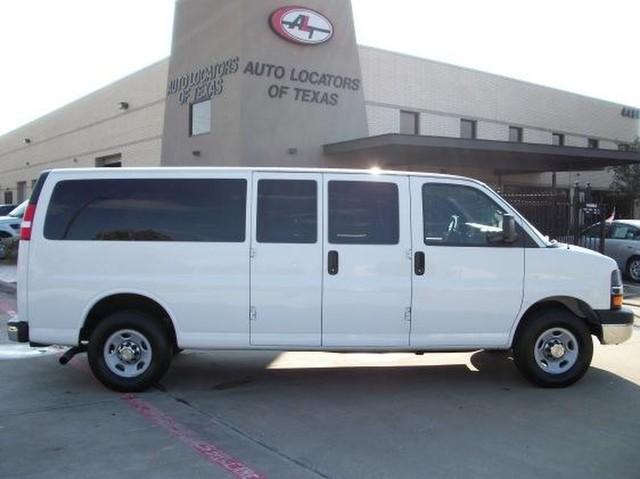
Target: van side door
367, 267
467, 288
286, 259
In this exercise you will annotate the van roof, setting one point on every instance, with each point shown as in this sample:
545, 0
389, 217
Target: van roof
372, 171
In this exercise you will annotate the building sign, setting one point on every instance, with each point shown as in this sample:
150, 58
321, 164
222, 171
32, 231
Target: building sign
301, 25
203, 83
302, 84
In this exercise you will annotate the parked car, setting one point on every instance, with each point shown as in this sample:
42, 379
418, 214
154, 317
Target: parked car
10, 227
133, 265
622, 243
6, 209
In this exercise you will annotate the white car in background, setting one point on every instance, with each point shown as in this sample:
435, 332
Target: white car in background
10, 226
622, 243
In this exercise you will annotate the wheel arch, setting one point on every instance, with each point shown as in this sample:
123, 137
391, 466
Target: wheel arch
575, 306
114, 302
627, 265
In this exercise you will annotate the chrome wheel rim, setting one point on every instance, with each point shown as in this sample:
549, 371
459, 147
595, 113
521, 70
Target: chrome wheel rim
127, 353
556, 350
634, 270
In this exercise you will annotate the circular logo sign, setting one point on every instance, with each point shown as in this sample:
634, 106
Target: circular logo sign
301, 25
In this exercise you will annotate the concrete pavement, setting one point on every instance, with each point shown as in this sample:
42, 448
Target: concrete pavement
309, 415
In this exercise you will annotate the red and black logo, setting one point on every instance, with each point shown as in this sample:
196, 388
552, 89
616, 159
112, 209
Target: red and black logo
301, 25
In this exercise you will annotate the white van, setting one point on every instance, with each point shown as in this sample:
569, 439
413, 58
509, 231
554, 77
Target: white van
134, 265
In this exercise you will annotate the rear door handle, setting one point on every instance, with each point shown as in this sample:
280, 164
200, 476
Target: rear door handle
333, 263
419, 263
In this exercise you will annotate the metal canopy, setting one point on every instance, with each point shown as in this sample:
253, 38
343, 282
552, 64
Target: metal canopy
506, 157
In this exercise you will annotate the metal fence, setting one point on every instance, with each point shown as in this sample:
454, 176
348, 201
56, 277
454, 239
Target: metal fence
568, 216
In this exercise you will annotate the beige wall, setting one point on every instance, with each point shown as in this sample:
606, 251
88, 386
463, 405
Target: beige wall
249, 127
443, 94
91, 127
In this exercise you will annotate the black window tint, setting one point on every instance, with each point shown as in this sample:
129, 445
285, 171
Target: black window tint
148, 210
287, 211
363, 213
456, 215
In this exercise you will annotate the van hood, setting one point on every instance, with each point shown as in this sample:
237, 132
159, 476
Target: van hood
579, 250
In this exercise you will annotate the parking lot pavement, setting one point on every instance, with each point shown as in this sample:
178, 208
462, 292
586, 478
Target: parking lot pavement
632, 293
310, 415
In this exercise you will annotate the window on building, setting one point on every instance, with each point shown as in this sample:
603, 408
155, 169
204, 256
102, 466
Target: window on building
8, 197
515, 134
363, 212
468, 129
22, 191
200, 118
456, 215
409, 123
624, 147
287, 211
558, 139
109, 161
593, 143
189, 210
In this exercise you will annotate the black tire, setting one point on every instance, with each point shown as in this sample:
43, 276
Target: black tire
631, 264
529, 338
159, 344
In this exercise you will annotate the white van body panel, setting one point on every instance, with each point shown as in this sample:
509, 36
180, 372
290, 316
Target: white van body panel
204, 286
286, 282
566, 271
469, 297
367, 302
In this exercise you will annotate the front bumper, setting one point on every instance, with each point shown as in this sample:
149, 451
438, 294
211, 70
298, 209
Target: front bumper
617, 325
18, 331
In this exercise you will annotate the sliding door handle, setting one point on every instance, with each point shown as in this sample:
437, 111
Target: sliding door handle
419, 263
333, 263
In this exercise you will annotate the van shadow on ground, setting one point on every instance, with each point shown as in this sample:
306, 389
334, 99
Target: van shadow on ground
448, 420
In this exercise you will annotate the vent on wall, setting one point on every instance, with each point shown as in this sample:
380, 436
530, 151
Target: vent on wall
110, 161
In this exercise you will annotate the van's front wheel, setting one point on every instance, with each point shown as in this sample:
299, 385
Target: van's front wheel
553, 349
129, 351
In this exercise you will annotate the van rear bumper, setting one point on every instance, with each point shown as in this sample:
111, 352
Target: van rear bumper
18, 331
617, 325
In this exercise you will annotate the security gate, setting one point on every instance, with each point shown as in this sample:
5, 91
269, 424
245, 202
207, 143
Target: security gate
568, 216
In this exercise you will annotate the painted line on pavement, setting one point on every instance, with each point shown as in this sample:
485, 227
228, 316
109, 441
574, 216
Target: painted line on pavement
209, 451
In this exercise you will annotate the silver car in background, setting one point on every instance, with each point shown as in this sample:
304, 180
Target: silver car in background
622, 244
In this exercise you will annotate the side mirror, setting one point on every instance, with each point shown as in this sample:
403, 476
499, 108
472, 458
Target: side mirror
508, 235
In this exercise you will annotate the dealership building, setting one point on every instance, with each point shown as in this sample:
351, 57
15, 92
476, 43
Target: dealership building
265, 84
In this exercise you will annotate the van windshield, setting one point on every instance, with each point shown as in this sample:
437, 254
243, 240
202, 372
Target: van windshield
18, 211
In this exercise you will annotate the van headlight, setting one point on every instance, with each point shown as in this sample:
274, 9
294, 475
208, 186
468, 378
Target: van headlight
617, 290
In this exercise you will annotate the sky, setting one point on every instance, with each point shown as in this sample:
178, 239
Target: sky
55, 51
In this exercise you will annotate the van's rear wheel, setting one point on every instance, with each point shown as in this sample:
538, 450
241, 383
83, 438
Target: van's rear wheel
553, 349
129, 351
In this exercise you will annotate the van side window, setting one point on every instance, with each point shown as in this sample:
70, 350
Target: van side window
363, 212
287, 211
458, 215
189, 210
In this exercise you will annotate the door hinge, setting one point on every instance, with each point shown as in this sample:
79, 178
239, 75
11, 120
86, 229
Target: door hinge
253, 315
407, 314
409, 254
252, 253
